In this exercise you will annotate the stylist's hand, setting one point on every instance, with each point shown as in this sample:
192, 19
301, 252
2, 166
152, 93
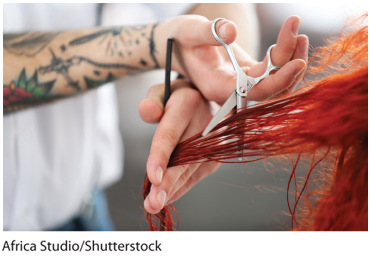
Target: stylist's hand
210, 68
197, 57
186, 114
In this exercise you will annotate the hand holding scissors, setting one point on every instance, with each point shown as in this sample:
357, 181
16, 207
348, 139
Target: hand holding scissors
186, 114
244, 83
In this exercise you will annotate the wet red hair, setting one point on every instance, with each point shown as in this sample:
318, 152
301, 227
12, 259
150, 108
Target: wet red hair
325, 121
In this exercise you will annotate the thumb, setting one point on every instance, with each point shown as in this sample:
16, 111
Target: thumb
226, 30
197, 31
151, 109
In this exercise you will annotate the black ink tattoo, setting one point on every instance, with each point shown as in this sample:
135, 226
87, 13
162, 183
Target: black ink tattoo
143, 62
78, 59
91, 83
63, 48
28, 44
115, 34
152, 47
61, 67
96, 72
84, 39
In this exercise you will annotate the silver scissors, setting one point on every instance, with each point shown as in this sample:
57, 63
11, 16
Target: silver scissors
243, 84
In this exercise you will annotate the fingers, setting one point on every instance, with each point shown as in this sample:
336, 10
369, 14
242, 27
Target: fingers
197, 31
175, 177
181, 188
158, 195
194, 113
277, 82
301, 52
286, 41
178, 113
289, 46
193, 173
183, 178
151, 108
284, 49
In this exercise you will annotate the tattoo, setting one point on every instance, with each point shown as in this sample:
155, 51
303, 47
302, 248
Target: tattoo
115, 34
28, 44
61, 67
87, 38
91, 83
25, 92
106, 65
63, 48
152, 47
24, 89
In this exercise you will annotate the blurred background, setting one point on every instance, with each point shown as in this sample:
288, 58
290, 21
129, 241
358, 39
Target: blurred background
237, 196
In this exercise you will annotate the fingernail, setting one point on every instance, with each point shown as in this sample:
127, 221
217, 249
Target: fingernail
159, 173
161, 196
303, 48
295, 27
298, 70
222, 30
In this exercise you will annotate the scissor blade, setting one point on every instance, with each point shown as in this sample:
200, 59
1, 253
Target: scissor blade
223, 111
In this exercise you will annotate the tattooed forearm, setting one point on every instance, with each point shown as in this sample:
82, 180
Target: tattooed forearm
116, 36
25, 89
27, 92
66, 63
91, 83
28, 44
152, 47
88, 38
61, 67
109, 65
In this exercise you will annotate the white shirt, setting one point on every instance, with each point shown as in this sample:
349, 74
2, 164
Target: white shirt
56, 154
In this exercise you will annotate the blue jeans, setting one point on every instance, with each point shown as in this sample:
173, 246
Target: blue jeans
95, 218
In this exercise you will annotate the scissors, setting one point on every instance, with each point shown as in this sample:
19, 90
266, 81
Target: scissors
244, 83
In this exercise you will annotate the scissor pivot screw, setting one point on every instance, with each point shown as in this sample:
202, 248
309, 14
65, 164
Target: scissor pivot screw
243, 90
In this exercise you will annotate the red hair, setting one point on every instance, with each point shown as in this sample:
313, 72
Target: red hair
326, 121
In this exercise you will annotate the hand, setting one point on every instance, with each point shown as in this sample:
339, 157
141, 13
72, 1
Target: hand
198, 58
211, 68
186, 114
